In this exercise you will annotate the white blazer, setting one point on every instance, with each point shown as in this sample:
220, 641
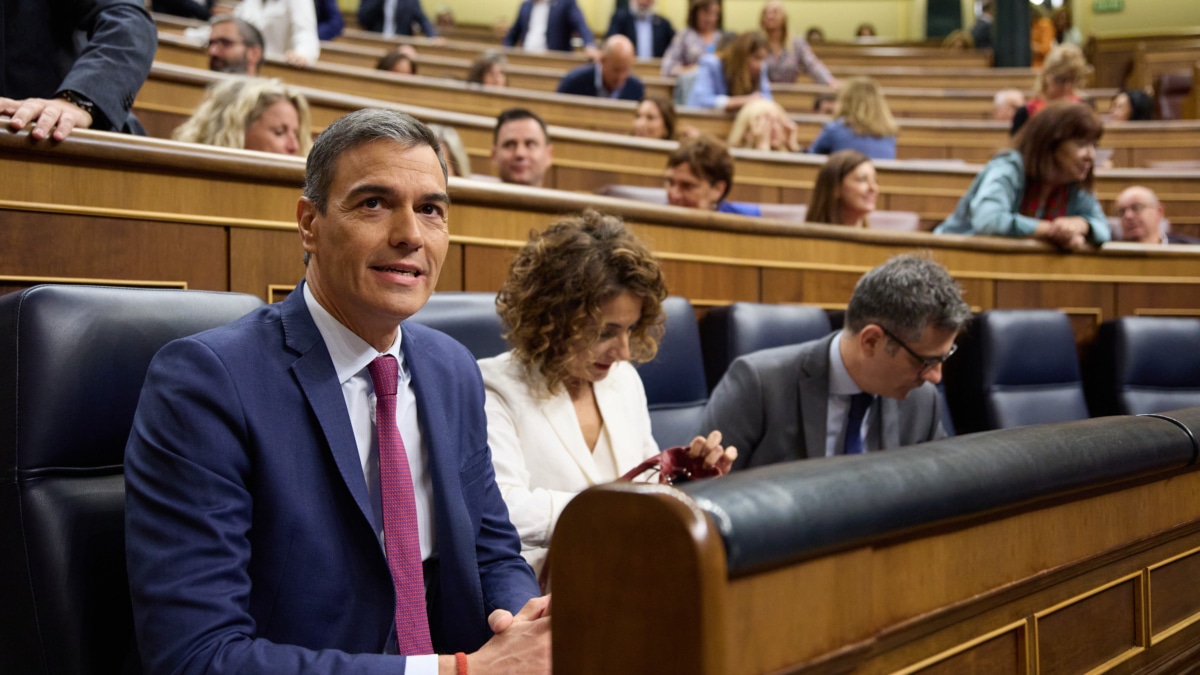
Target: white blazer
538, 449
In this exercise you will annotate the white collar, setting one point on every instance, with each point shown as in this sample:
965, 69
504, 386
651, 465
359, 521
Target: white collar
840, 382
350, 353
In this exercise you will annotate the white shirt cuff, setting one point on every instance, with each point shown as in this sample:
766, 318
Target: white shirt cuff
426, 664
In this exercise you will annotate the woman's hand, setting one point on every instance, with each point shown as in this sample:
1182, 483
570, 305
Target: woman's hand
714, 455
1066, 232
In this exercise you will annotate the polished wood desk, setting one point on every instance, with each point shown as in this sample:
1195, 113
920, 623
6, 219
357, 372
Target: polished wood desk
107, 208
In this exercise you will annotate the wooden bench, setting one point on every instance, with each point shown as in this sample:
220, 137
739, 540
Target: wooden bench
108, 208
1113, 56
1066, 548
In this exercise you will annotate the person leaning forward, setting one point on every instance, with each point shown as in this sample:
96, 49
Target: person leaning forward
796, 402
260, 489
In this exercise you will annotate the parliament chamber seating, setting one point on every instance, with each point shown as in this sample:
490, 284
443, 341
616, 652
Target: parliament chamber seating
675, 387
1143, 364
743, 327
1015, 368
470, 318
74, 360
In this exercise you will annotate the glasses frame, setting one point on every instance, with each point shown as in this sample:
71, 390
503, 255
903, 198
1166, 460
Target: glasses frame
927, 362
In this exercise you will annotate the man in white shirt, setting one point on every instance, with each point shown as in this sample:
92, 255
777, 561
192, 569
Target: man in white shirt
651, 33
543, 25
871, 386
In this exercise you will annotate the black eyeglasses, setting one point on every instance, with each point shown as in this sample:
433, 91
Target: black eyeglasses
223, 43
926, 362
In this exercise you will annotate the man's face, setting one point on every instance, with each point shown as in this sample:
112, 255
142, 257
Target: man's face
378, 249
614, 68
521, 154
644, 5
227, 52
1007, 107
1141, 215
891, 370
685, 188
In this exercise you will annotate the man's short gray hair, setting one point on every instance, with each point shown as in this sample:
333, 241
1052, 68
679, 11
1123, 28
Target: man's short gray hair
358, 128
905, 295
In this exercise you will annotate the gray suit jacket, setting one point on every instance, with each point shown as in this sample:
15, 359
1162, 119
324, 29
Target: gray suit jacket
771, 406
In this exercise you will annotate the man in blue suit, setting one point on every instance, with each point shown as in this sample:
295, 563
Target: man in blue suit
254, 516
374, 15
651, 33
610, 78
549, 24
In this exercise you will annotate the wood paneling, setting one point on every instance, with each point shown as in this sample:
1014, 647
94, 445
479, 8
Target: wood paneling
1092, 631
1174, 594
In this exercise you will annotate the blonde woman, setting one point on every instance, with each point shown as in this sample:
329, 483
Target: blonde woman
734, 77
764, 125
862, 121
1064, 72
251, 114
787, 55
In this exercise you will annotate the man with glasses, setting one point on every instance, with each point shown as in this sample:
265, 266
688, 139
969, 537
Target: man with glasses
869, 387
1142, 218
234, 46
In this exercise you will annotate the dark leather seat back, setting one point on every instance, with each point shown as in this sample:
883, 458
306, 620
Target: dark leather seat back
470, 318
1170, 90
744, 327
1015, 368
73, 363
674, 380
1142, 364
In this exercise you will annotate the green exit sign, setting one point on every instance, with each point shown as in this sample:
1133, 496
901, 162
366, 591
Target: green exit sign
1102, 6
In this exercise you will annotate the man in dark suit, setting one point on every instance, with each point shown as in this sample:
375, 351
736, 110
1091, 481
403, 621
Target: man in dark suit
610, 77
549, 24
374, 15
73, 65
650, 32
871, 386
263, 475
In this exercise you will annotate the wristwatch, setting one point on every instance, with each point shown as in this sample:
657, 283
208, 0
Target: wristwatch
78, 99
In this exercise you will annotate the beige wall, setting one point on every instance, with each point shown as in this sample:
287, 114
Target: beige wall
1139, 16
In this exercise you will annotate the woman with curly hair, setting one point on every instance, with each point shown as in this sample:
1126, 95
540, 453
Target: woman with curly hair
566, 409
251, 114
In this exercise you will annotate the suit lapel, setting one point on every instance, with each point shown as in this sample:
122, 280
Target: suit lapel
627, 448
888, 426
814, 396
318, 380
560, 414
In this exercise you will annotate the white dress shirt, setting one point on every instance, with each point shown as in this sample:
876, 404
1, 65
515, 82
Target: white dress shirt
539, 19
644, 27
841, 388
351, 355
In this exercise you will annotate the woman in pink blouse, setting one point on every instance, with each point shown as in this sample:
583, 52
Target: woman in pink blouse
699, 38
789, 56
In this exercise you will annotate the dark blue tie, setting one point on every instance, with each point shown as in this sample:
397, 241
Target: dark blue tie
859, 403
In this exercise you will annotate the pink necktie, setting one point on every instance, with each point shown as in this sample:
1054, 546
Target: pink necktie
401, 540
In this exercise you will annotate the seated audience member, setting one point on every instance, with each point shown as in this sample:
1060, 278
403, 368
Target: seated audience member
611, 77
330, 23
871, 386
650, 33
234, 46
397, 62
734, 77
1065, 32
289, 28
789, 56
1041, 36
394, 17
488, 70
700, 175
444, 18
701, 36
251, 114
862, 121
654, 117
981, 32
814, 35
1143, 218
1042, 187
521, 149
1005, 104
865, 30
295, 479
1064, 72
78, 65
825, 104
845, 191
548, 25
566, 409
1131, 105
764, 125
458, 162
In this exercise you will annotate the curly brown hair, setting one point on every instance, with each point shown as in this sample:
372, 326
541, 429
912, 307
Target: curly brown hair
551, 302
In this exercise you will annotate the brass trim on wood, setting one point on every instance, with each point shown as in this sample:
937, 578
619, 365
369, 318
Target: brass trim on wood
158, 216
1139, 609
1165, 311
1094, 312
88, 281
1178, 626
1019, 626
273, 289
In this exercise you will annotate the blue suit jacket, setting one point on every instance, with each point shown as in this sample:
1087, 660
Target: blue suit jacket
408, 12
710, 83
565, 20
249, 535
624, 22
581, 81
